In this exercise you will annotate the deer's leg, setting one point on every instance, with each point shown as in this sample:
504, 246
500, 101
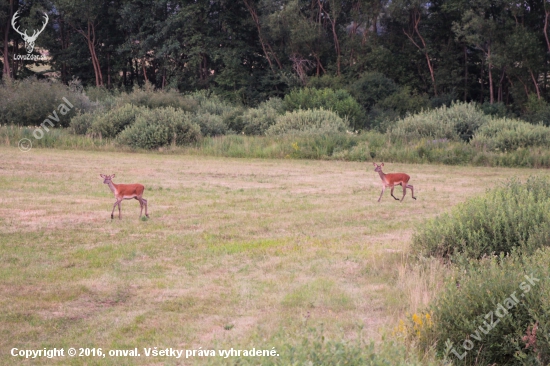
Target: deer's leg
404, 186
392, 193
114, 206
119, 211
145, 203
140, 205
412, 190
383, 189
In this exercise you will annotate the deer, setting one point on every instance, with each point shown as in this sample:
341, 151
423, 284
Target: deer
125, 192
29, 40
392, 180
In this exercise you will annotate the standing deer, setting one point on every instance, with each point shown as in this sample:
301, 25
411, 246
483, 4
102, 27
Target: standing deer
29, 40
392, 180
125, 192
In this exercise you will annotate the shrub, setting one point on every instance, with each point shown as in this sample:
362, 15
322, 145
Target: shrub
111, 123
210, 124
29, 102
496, 313
509, 134
460, 121
154, 128
512, 217
256, 121
537, 111
316, 121
371, 88
339, 101
81, 123
148, 97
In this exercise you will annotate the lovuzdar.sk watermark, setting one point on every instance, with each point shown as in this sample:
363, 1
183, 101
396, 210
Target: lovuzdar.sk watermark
29, 39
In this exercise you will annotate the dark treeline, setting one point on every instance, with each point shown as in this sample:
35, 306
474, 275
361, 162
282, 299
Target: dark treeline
488, 51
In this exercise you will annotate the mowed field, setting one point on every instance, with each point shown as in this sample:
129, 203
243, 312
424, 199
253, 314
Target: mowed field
237, 252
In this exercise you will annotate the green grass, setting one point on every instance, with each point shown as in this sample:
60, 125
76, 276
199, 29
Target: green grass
237, 253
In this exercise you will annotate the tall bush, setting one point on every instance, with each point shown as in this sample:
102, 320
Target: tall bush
111, 123
339, 101
512, 217
509, 134
256, 121
160, 127
316, 121
457, 122
30, 101
495, 313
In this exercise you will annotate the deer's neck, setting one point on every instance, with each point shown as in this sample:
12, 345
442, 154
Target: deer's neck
113, 187
382, 176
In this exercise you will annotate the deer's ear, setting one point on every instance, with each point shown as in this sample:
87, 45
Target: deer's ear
382, 164
373, 163
112, 176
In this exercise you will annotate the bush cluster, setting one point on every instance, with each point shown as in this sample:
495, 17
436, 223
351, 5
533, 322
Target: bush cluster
457, 122
339, 101
512, 217
158, 127
30, 101
510, 134
314, 122
495, 313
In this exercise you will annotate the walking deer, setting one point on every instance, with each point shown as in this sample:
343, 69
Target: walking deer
392, 180
125, 192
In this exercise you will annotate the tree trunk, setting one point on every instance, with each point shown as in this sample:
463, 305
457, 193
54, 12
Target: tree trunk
6, 58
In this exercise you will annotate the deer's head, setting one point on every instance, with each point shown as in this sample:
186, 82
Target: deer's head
107, 178
29, 40
378, 168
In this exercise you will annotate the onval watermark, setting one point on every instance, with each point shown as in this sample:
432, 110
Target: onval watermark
25, 144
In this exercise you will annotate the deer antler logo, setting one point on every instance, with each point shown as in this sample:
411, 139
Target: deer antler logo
29, 40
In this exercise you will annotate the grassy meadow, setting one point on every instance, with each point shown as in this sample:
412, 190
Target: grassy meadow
237, 253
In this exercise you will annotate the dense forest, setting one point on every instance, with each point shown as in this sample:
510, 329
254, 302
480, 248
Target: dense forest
487, 51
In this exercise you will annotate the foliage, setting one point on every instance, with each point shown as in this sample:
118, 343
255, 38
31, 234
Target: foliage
148, 97
158, 127
30, 101
210, 124
256, 121
81, 123
509, 134
111, 123
537, 111
495, 313
512, 217
339, 101
371, 88
457, 122
311, 121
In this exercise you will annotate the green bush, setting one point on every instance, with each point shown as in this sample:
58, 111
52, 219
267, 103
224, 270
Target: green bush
111, 123
340, 101
158, 127
150, 98
537, 111
512, 217
371, 88
316, 121
457, 122
509, 134
256, 121
210, 124
495, 313
81, 123
29, 102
